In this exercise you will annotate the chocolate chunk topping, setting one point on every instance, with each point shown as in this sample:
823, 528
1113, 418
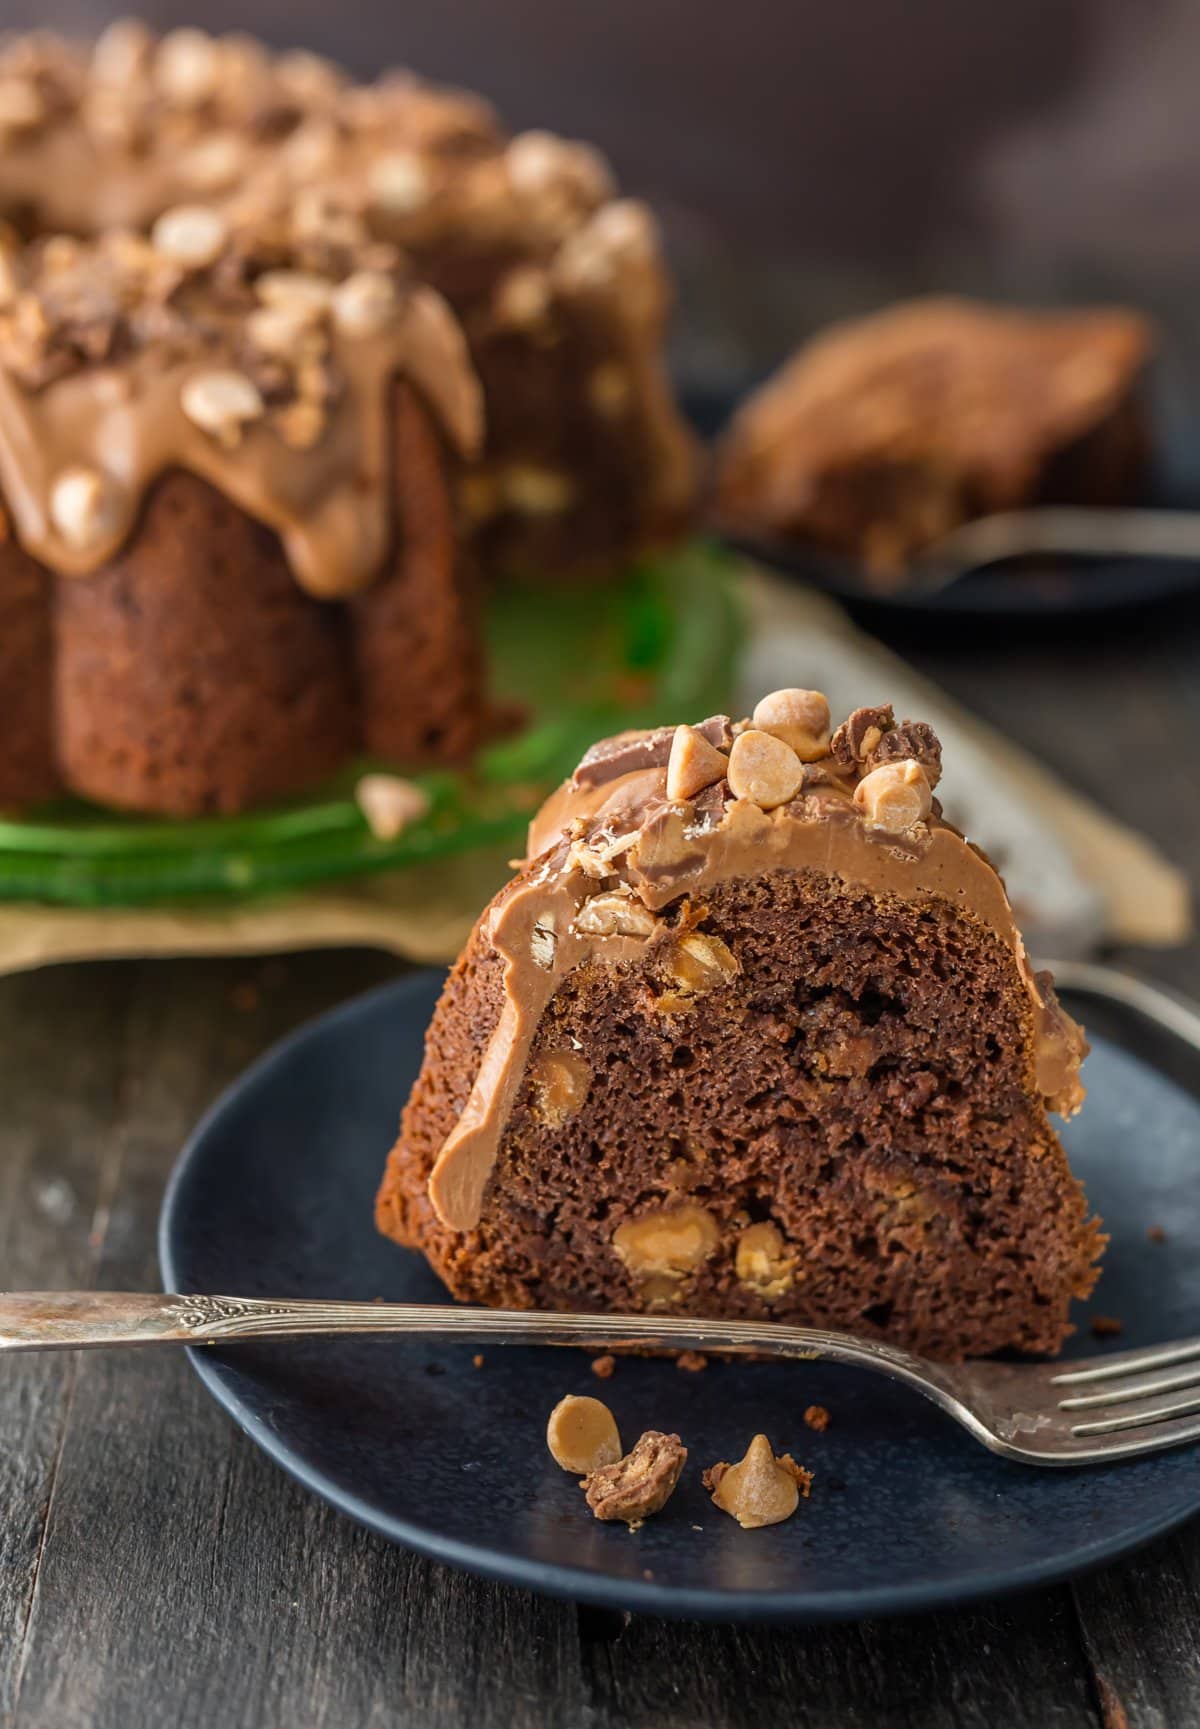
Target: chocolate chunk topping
639, 1484
708, 807
613, 757
860, 734
717, 730
913, 739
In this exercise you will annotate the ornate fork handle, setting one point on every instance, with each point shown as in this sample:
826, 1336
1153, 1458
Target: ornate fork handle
74, 1320
1045, 1414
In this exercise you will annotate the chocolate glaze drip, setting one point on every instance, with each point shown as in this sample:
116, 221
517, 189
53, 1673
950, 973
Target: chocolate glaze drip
624, 837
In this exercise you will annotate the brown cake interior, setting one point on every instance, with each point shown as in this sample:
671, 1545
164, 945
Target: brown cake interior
853, 1113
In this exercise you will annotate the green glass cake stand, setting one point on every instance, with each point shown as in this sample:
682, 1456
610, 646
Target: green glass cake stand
658, 645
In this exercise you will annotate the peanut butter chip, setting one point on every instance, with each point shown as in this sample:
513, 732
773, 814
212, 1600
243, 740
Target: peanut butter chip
522, 298
695, 965
668, 1244
761, 1262
215, 163
760, 1489
800, 718
187, 66
21, 105
399, 182
582, 1435
191, 235
84, 506
764, 769
692, 765
544, 942
121, 50
299, 291
616, 914
364, 304
610, 390
390, 804
561, 1082
221, 403
895, 797
533, 491
641, 1483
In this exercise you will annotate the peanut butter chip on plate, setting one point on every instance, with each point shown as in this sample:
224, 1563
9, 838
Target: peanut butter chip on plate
760, 1489
582, 1435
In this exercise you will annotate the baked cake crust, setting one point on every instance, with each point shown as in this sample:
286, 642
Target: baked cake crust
769, 1047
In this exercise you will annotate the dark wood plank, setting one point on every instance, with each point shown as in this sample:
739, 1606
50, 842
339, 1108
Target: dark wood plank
61, 1100
956, 1671
1139, 1622
183, 1579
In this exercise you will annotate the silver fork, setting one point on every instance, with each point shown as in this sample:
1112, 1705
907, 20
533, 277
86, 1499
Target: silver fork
1085, 1413
1049, 529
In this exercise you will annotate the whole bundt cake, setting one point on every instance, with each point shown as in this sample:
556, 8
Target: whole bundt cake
559, 284
229, 560
752, 1033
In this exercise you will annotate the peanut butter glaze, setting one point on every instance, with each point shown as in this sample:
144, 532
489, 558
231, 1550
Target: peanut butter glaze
118, 363
602, 843
524, 235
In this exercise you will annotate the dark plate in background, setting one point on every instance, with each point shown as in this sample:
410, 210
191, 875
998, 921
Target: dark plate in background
1046, 589
273, 1198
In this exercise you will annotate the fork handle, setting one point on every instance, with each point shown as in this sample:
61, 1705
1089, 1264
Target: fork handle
73, 1320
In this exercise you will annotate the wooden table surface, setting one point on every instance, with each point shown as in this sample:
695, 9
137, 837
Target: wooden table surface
156, 1569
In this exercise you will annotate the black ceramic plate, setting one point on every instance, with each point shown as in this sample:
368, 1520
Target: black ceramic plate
273, 1197
1043, 588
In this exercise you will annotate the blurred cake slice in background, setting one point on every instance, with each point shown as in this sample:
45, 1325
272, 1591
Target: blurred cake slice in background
883, 434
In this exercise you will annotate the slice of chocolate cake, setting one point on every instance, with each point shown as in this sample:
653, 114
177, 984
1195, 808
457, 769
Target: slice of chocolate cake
752, 1033
884, 433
